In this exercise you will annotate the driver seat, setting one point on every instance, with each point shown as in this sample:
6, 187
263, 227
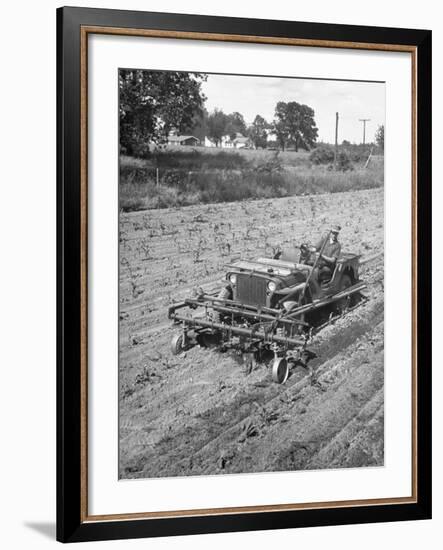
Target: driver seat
325, 275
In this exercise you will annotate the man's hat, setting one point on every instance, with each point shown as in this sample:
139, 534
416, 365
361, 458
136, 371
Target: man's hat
335, 229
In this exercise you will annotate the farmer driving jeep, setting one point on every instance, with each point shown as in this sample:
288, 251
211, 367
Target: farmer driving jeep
329, 249
324, 254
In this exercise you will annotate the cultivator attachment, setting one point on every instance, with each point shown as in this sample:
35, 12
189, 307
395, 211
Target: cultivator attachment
253, 331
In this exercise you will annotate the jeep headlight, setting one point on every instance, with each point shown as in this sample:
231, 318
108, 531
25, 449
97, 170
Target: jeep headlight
232, 278
272, 286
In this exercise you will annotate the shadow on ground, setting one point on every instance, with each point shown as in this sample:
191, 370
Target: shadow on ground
44, 528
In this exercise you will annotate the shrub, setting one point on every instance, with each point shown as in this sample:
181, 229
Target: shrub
322, 155
326, 155
344, 162
271, 165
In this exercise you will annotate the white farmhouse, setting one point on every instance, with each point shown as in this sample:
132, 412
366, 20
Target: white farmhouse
239, 142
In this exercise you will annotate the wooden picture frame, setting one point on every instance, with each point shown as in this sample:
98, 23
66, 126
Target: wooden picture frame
74, 523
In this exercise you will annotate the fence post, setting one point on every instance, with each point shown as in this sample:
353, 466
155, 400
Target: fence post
369, 158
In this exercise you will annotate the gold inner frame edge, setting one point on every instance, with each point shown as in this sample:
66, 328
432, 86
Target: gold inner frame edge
84, 32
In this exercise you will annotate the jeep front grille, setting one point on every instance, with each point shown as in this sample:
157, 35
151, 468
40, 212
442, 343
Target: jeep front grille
251, 290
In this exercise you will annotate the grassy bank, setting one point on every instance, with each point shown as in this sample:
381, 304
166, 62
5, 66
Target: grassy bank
193, 176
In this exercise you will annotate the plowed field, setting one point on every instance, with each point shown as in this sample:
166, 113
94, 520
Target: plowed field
201, 412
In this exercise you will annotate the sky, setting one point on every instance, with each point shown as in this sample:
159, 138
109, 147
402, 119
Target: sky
252, 95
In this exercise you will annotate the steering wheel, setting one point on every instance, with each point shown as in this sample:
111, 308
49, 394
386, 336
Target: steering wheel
307, 254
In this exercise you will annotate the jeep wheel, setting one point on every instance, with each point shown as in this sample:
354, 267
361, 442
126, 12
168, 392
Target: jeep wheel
224, 294
280, 370
177, 344
343, 304
208, 340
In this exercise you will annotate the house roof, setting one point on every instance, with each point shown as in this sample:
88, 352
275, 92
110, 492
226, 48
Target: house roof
241, 140
181, 138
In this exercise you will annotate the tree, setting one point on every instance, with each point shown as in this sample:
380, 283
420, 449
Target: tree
235, 124
257, 132
216, 124
281, 132
294, 124
154, 102
199, 126
380, 137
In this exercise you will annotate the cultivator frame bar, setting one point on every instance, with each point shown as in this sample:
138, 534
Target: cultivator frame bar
268, 320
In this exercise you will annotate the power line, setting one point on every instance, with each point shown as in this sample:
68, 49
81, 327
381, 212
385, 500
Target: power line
364, 120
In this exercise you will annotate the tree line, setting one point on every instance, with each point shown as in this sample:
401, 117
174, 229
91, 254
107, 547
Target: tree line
153, 103
293, 126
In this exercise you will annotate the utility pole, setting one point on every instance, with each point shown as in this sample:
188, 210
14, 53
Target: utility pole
364, 120
336, 141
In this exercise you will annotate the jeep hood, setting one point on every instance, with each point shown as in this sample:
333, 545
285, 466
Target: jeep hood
269, 266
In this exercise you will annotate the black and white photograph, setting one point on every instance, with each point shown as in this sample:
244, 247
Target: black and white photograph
251, 274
